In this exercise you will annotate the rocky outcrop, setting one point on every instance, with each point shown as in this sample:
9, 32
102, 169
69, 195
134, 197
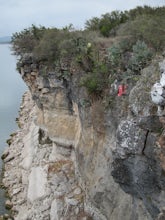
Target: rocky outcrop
72, 159
158, 91
40, 177
136, 164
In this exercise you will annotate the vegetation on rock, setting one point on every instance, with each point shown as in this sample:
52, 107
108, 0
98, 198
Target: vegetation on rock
94, 121
116, 46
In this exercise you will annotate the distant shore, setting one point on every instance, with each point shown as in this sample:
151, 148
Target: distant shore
5, 42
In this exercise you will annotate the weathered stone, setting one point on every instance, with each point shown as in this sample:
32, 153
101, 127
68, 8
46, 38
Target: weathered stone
77, 191
65, 130
29, 151
130, 139
57, 209
137, 173
37, 184
71, 201
45, 90
34, 73
9, 158
84, 162
150, 123
5, 154
16, 191
6, 216
8, 204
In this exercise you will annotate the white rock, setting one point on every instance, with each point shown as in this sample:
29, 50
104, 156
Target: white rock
5, 154
162, 66
162, 80
37, 184
22, 214
34, 73
56, 211
16, 191
24, 175
77, 191
8, 204
157, 93
71, 201
45, 90
30, 146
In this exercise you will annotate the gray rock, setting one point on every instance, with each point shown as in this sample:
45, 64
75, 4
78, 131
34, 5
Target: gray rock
71, 201
5, 154
150, 123
8, 204
130, 139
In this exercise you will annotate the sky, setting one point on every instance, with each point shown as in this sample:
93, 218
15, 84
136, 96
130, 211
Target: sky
15, 15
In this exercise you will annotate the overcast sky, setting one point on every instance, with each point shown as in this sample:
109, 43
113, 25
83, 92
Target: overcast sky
15, 15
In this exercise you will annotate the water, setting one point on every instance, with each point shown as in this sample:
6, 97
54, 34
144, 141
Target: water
12, 88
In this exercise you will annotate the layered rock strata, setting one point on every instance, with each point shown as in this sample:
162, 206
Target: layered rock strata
72, 159
40, 174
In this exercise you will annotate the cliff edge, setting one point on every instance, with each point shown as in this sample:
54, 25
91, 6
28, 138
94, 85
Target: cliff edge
91, 139
73, 158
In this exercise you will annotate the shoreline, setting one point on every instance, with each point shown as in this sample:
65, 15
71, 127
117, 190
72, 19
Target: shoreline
8, 182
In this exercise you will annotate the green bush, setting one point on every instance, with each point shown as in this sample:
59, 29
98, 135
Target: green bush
141, 23
64, 50
147, 28
118, 56
114, 55
141, 54
97, 81
93, 83
126, 59
108, 23
26, 40
48, 46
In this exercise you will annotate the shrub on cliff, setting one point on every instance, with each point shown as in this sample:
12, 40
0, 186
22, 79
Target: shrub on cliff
128, 58
108, 23
65, 50
53, 45
141, 55
48, 46
24, 41
97, 80
147, 28
138, 22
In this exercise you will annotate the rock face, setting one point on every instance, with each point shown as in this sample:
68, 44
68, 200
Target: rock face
73, 160
158, 90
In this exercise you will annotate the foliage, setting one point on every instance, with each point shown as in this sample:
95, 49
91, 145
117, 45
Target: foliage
118, 55
137, 32
128, 59
115, 54
141, 54
138, 23
147, 28
107, 24
48, 47
53, 45
94, 83
25, 41
97, 80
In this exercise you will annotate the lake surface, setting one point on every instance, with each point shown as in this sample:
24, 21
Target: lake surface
12, 88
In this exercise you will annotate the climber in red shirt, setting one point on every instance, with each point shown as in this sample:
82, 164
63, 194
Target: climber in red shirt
121, 90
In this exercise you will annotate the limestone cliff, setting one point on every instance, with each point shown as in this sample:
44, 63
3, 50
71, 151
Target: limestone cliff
75, 159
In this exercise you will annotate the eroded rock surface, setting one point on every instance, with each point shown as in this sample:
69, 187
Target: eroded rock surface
72, 159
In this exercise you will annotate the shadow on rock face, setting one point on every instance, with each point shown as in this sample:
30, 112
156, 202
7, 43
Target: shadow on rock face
136, 166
